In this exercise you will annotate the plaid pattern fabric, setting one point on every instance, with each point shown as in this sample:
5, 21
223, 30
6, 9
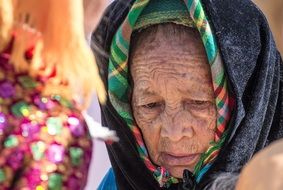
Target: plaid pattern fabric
118, 84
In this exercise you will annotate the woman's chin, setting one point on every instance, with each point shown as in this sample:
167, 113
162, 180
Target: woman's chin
177, 171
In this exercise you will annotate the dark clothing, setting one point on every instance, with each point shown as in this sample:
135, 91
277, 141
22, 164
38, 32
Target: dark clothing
255, 78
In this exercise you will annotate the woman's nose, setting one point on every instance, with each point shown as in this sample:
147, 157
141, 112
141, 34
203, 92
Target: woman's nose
177, 125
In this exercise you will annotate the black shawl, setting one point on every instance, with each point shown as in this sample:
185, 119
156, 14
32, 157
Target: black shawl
255, 77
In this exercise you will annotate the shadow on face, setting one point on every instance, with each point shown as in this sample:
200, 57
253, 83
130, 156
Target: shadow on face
172, 99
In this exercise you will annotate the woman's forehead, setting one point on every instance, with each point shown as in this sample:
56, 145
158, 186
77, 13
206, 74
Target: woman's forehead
165, 38
170, 52
179, 60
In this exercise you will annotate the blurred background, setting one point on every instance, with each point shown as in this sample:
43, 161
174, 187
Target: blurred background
273, 9
100, 162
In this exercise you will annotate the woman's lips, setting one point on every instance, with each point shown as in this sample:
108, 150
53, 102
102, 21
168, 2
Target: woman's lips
172, 159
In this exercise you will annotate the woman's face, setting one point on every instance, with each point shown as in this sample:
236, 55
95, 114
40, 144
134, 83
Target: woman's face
173, 100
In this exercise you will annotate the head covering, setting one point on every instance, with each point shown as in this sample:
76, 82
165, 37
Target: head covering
253, 79
158, 12
146, 13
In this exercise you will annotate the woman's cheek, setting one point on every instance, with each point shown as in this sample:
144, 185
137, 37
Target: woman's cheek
146, 114
207, 114
148, 121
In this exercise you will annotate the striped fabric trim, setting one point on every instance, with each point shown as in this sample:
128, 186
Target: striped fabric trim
118, 85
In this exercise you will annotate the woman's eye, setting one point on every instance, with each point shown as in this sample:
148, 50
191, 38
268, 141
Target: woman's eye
152, 105
197, 104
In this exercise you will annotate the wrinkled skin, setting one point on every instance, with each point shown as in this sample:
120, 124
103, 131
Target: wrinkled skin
173, 100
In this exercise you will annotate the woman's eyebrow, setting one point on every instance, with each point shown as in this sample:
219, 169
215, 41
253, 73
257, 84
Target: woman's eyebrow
199, 94
144, 89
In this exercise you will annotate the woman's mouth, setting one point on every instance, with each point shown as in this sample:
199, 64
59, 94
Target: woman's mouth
174, 159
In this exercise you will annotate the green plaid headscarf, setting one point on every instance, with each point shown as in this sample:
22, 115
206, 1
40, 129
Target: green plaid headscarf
149, 12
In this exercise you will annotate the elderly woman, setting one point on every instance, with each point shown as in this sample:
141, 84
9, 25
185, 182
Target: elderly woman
194, 91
